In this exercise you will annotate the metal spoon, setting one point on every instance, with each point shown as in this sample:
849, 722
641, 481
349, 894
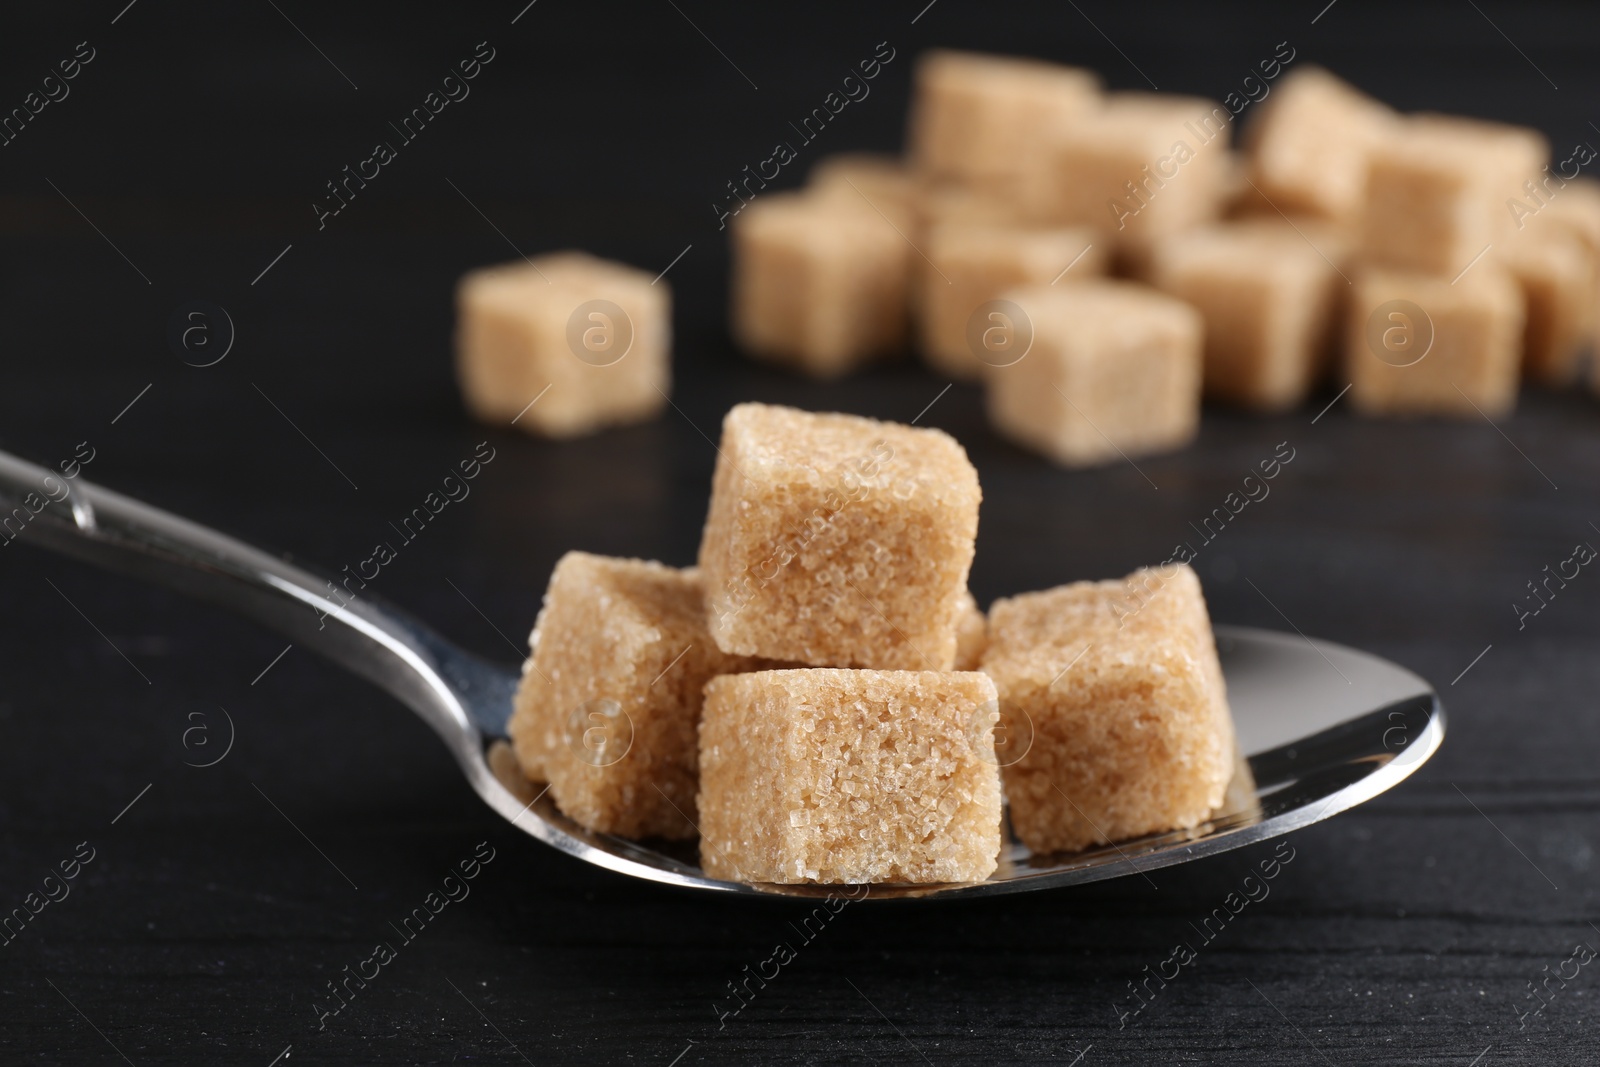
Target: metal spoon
1324, 727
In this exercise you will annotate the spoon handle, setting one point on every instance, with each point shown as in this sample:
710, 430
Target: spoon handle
453, 691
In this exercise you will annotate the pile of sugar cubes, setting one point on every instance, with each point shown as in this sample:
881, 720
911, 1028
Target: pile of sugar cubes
820, 699
1444, 257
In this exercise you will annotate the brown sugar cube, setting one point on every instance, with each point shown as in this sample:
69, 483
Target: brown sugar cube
1335, 243
1437, 188
970, 266
1241, 197
867, 179
1568, 206
1139, 167
1113, 370
976, 118
1553, 204
1119, 685
1307, 147
972, 635
942, 203
819, 283
610, 699
838, 540
1417, 345
590, 340
1557, 273
1267, 300
849, 776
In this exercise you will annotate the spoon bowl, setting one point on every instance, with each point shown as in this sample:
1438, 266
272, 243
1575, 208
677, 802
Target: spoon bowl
1321, 727
1326, 727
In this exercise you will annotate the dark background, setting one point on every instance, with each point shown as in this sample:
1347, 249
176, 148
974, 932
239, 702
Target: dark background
196, 141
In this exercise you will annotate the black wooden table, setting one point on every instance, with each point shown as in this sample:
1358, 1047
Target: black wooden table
211, 906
